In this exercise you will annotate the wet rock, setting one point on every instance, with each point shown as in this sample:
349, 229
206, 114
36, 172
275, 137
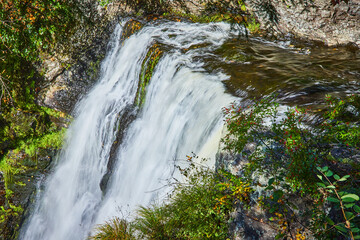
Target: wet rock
250, 225
131, 27
125, 119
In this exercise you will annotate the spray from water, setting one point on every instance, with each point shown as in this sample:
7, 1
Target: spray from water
181, 114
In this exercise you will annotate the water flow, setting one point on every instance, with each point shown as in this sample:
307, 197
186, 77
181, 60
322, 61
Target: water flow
181, 114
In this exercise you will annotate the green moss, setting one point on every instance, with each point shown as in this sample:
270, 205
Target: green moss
54, 113
253, 26
152, 58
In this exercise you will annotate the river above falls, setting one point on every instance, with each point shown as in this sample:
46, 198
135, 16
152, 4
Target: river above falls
300, 74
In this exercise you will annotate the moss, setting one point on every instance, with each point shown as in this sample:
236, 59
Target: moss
147, 68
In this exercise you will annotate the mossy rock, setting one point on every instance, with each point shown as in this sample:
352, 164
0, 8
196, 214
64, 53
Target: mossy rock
131, 27
147, 68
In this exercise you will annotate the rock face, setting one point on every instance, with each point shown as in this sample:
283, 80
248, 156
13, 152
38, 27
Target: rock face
68, 80
331, 22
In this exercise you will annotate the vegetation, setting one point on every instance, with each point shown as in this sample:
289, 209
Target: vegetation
152, 58
293, 156
28, 28
232, 11
28, 140
117, 228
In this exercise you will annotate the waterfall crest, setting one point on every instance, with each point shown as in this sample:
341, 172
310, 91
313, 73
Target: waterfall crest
181, 114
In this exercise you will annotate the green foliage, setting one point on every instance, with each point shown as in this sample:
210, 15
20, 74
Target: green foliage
13, 211
28, 28
25, 136
289, 151
117, 228
345, 200
198, 209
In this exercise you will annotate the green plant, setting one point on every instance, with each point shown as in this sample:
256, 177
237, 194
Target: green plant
11, 211
345, 199
116, 228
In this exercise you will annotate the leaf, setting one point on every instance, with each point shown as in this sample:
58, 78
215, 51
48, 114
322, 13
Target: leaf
277, 195
349, 215
348, 200
280, 236
332, 199
319, 176
324, 169
357, 237
351, 196
344, 178
355, 230
329, 173
331, 187
321, 185
341, 228
331, 222
342, 193
357, 208
271, 181
336, 177
349, 205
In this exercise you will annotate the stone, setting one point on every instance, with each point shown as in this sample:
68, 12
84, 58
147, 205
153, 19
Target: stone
311, 20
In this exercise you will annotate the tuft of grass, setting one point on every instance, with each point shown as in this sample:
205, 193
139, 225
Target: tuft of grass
116, 228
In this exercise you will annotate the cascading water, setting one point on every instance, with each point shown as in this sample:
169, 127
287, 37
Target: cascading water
181, 114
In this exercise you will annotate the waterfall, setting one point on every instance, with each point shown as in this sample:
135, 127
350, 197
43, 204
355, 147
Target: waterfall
181, 114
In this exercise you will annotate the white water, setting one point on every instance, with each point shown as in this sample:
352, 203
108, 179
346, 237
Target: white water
181, 114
